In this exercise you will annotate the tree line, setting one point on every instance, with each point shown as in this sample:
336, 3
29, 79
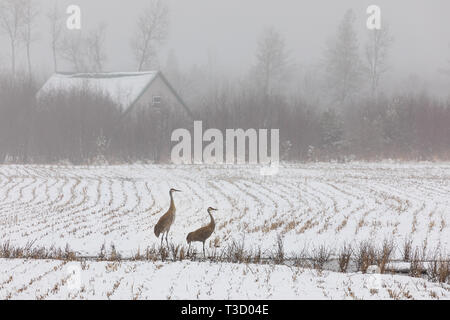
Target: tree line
82, 126
338, 109
80, 51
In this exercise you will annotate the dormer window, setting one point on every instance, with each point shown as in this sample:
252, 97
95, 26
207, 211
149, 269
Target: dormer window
156, 100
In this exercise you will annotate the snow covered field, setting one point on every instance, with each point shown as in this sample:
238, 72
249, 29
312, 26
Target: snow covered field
50, 279
308, 205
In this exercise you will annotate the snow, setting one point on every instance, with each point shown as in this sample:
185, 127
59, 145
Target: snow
122, 88
308, 205
51, 279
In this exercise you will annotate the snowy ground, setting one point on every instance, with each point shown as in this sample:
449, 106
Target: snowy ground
308, 205
50, 279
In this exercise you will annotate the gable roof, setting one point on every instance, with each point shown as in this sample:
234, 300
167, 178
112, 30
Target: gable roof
124, 88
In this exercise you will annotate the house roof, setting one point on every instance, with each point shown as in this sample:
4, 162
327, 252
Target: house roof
124, 88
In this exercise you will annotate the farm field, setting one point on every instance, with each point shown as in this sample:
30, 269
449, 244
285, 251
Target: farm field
307, 205
51, 279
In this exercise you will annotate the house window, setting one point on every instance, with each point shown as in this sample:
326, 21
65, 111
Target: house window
156, 100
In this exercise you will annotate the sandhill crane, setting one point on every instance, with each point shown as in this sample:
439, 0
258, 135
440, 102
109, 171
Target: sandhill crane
202, 234
166, 221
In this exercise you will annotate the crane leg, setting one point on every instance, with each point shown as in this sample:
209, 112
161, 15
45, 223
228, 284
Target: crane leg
189, 249
162, 237
204, 255
167, 242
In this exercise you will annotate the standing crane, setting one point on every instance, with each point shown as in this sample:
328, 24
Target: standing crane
166, 221
202, 234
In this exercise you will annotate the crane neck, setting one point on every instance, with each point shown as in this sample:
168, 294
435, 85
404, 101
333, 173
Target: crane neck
172, 204
212, 223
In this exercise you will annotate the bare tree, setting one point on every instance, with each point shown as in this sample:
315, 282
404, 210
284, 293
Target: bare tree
84, 53
272, 60
71, 49
95, 51
55, 19
152, 31
376, 62
342, 62
11, 22
29, 19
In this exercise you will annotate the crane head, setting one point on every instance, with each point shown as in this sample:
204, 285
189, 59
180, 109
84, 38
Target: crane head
211, 209
174, 190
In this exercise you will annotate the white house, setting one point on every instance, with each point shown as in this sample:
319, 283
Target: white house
130, 90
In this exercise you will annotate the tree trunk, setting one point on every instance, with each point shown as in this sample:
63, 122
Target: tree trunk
54, 51
29, 60
13, 58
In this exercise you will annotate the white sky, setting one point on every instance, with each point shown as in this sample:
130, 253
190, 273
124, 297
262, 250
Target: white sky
227, 31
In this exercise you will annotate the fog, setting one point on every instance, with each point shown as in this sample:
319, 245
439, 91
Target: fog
313, 69
224, 34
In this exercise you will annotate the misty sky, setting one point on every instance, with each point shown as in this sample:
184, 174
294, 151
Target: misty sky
226, 31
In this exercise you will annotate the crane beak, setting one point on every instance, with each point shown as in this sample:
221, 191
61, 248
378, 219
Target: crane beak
176, 190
